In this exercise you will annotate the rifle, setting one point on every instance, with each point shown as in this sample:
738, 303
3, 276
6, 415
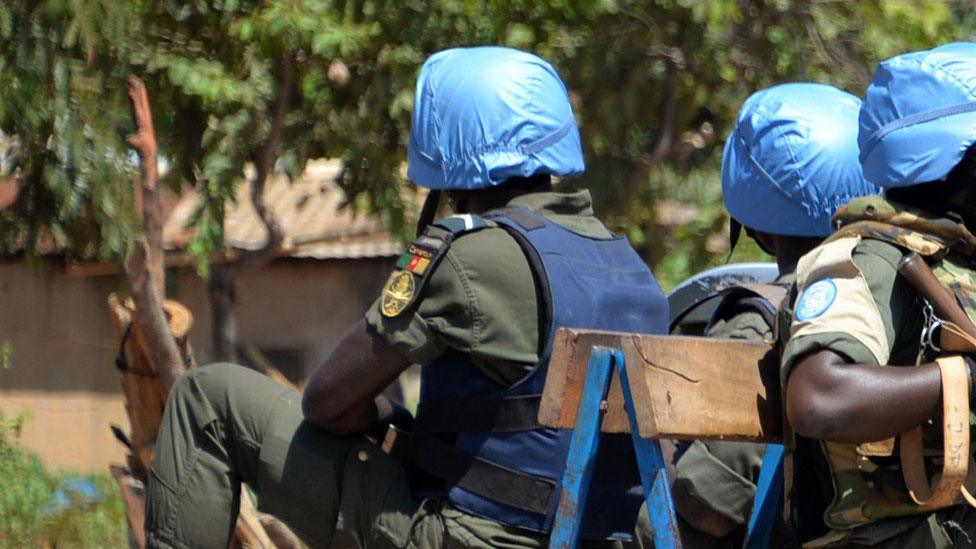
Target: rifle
957, 334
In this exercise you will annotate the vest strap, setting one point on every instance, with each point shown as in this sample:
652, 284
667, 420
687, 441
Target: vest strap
525, 218
763, 299
955, 427
476, 415
922, 243
474, 474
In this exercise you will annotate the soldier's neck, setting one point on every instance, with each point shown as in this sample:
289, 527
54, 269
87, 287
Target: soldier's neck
789, 250
483, 200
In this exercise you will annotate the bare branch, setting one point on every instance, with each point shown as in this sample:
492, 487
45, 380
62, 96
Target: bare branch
160, 345
144, 266
667, 114
147, 201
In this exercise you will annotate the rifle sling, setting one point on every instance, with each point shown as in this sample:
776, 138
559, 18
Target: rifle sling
955, 426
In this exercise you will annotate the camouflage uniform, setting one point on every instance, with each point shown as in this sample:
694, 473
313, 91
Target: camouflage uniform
855, 494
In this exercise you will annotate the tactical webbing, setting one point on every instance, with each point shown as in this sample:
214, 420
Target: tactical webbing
763, 299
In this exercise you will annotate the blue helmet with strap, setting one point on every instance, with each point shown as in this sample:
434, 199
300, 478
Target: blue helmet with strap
483, 115
919, 115
791, 159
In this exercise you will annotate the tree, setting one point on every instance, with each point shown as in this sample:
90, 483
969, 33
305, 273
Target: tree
273, 83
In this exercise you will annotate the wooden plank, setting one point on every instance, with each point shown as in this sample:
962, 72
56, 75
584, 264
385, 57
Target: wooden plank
683, 387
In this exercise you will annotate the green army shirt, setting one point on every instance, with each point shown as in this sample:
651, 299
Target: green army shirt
721, 474
481, 300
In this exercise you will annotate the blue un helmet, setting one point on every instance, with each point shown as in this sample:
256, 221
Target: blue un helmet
919, 115
484, 115
791, 159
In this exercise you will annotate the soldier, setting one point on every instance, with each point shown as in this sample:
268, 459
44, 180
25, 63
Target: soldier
868, 356
790, 161
476, 300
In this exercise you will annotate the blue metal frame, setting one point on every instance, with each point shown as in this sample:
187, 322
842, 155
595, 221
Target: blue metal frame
768, 500
582, 452
653, 473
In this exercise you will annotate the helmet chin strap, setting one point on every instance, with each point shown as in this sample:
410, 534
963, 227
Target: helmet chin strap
735, 231
428, 211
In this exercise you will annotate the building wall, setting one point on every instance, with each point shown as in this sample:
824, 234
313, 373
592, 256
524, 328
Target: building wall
62, 367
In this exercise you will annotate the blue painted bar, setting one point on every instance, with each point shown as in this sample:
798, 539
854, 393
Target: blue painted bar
582, 452
654, 475
769, 496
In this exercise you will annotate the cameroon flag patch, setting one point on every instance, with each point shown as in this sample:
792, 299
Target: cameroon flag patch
416, 259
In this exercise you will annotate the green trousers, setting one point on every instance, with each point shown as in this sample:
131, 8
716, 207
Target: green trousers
225, 424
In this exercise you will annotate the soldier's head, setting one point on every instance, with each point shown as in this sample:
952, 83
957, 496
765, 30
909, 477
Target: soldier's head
790, 162
491, 121
918, 129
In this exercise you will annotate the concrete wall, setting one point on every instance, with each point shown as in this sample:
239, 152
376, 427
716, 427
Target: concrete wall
64, 347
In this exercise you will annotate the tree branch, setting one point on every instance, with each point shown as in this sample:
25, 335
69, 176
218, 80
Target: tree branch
222, 284
160, 345
667, 113
147, 201
264, 159
144, 266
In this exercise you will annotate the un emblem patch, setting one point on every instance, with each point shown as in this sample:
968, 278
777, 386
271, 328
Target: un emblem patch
398, 294
816, 299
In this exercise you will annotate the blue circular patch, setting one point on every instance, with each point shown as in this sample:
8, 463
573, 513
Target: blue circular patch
816, 299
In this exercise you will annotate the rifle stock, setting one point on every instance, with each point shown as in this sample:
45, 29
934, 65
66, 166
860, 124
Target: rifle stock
958, 334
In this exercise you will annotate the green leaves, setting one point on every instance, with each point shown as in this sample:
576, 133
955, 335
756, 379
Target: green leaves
645, 78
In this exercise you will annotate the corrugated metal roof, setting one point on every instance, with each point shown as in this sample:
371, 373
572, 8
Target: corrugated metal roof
312, 214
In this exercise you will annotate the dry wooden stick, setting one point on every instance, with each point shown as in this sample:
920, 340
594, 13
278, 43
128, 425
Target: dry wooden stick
159, 343
147, 201
144, 266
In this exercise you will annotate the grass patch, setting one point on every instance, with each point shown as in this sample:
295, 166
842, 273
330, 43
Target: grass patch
43, 509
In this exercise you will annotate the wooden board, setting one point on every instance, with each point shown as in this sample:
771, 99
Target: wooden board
683, 387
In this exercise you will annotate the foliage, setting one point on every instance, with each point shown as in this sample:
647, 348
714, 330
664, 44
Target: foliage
6, 354
27, 491
656, 86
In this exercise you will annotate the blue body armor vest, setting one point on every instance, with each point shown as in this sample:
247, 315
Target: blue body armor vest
478, 443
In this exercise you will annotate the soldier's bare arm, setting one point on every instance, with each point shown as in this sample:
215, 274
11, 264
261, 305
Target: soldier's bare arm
342, 395
830, 399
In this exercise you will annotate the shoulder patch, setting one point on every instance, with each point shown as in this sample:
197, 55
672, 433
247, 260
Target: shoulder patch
413, 269
816, 299
399, 293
